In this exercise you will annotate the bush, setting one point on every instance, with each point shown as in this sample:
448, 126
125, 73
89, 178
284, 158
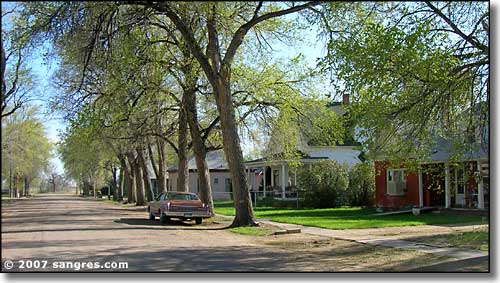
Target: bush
324, 184
361, 190
272, 202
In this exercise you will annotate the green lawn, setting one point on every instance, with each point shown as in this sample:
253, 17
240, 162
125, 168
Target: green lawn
348, 217
252, 231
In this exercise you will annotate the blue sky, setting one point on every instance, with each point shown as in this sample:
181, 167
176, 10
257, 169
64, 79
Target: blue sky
42, 89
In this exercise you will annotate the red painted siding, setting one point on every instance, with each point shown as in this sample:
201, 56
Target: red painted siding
385, 200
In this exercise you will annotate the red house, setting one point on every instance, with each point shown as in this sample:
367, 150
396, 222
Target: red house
439, 182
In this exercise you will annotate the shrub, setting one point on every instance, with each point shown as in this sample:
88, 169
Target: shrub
324, 184
361, 190
272, 202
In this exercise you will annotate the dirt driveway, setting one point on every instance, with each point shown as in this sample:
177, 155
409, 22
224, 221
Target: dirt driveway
56, 229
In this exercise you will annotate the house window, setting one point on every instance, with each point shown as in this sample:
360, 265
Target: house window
396, 182
216, 180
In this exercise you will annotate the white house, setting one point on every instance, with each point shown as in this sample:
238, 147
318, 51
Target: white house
279, 180
220, 178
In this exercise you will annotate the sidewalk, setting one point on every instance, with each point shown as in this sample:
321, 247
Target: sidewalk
393, 237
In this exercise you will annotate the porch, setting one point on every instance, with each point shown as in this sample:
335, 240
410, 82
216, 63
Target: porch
466, 184
278, 179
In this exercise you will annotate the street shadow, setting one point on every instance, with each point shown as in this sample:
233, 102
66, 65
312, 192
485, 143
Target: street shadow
173, 224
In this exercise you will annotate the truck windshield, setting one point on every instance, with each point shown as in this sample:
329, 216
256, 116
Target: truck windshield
175, 196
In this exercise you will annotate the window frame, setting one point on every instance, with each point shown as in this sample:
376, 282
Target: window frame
391, 178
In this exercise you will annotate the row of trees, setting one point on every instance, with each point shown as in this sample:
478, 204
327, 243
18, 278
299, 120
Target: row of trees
142, 83
141, 80
26, 152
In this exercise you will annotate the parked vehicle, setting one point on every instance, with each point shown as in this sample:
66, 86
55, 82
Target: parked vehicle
181, 205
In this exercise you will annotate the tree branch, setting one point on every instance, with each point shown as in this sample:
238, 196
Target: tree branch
239, 35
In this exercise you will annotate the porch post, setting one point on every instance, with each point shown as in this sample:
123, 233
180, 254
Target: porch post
272, 176
480, 188
447, 185
420, 188
264, 168
283, 180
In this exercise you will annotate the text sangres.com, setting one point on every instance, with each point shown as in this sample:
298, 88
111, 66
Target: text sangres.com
72, 265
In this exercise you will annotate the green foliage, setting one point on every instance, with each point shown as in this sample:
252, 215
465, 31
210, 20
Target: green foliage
302, 122
26, 149
82, 150
361, 191
409, 82
324, 184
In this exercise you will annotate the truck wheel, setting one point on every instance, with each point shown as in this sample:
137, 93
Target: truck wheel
151, 215
163, 219
198, 220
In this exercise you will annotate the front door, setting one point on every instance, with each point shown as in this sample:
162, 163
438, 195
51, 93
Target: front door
459, 186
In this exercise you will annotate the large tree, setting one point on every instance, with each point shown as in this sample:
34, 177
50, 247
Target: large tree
215, 56
415, 71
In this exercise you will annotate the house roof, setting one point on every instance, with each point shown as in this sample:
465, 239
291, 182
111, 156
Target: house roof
343, 154
444, 151
215, 160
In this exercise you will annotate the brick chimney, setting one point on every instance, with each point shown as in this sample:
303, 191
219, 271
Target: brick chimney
345, 99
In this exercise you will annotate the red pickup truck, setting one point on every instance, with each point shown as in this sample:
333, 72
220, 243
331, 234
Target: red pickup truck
181, 205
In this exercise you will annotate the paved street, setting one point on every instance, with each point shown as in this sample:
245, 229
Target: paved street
56, 228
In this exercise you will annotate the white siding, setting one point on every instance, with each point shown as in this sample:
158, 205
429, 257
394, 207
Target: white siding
218, 190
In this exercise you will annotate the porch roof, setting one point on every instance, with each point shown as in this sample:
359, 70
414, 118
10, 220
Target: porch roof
343, 154
444, 151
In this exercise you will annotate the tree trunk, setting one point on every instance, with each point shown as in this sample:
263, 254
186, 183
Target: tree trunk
54, 184
11, 189
86, 188
21, 189
160, 169
162, 176
232, 150
139, 189
16, 181
121, 185
182, 170
199, 148
26, 186
115, 183
148, 188
131, 178
94, 187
